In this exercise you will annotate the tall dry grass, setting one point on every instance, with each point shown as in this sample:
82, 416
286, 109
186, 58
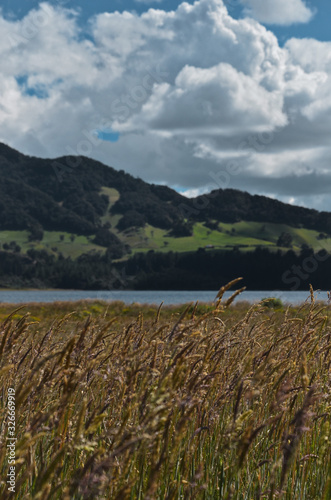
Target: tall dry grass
199, 407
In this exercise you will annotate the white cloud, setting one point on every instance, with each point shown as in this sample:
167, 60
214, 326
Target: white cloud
193, 193
312, 55
283, 12
193, 92
212, 101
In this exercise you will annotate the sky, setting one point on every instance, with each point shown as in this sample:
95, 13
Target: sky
194, 95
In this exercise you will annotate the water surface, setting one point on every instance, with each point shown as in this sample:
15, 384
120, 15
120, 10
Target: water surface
147, 297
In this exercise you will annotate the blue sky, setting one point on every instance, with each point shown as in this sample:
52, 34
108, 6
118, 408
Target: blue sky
222, 93
318, 28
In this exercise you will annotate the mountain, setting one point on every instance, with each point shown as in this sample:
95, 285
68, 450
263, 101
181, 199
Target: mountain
79, 209
82, 197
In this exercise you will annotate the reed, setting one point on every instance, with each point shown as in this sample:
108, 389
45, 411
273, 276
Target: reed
200, 402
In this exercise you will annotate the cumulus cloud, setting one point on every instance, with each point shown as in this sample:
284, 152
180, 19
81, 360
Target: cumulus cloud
236, 103
282, 12
196, 99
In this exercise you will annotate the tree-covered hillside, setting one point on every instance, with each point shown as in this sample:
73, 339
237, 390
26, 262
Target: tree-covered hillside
73, 207
54, 195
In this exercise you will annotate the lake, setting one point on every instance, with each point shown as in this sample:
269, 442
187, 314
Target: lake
147, 297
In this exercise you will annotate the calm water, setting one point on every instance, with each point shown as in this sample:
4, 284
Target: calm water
147, 297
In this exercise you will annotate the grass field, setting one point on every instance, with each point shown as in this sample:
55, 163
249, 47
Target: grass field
245, 235
54, 242
199, 402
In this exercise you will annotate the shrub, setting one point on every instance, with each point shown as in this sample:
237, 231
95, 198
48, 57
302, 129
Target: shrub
273, 303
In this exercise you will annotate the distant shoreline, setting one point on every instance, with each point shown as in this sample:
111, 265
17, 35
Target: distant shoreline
153, 297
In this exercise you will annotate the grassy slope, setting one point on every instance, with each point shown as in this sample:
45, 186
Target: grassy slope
247, 235
52, 242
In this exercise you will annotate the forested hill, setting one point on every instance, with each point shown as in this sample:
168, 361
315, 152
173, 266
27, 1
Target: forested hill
80, 196
58, 197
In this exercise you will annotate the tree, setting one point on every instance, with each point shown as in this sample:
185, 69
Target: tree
285, 240
132, 218
115, 248
36, 232
181, 229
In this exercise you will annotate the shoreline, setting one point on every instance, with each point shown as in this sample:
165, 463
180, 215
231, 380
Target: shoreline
155, 298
